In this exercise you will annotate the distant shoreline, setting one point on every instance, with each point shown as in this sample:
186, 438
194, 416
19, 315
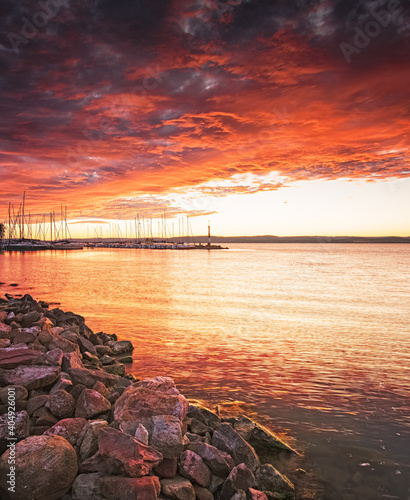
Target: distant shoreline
286, 239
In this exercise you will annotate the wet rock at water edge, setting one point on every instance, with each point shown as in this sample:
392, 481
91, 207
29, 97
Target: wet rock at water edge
271, 479
227, 439
240, 478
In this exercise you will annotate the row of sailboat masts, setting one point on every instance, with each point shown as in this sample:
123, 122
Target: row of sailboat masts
46, 227
142, 228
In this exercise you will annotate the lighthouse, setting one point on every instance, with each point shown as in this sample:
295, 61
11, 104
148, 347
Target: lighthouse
209, 233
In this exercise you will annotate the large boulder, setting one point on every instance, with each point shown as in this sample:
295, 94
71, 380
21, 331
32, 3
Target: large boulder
227, 439
98, 487
270, 479
218, 461
240, 478
45, 468
194, 468
31, 377
91, 404
178, 488
121, 454
138, 404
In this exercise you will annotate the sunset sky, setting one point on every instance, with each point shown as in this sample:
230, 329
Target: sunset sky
263, 116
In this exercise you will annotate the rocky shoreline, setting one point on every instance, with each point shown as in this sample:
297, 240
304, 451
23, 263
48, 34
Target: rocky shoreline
84, 430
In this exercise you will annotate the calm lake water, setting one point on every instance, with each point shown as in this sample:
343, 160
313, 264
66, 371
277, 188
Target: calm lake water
311, 340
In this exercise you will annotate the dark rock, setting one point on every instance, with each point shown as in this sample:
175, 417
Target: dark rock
197, 427
91, 404
167, 469
55, 357
23, 336
227, 439
215, 484
107, 360
122, 346
202, 493
194, 468
19, 392
64, 344
45, 337
89, 444
103, 350
178, 489
166, 436
239, 495
126, 359
90, 377
72, 360
194, 438
261, 437
46, 419
271, 479
115, 369
218, 461
30, 318
98, 487
35, 403
47, 465
240, 478
14, 357
62, 404
31, 377
86, 346
77, 390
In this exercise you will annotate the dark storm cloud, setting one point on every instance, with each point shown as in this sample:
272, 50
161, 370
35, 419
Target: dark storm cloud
104, 90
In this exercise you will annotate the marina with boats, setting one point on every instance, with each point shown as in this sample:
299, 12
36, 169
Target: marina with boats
23, 232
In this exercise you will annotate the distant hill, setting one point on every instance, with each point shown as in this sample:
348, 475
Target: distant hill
304, 239
286, 239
